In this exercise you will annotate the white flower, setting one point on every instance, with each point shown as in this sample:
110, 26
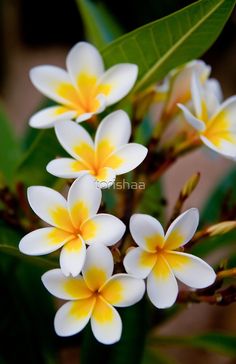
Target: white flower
93, 295
157, 259
108, 156
75, 222
84, 89
215, 122
176, 88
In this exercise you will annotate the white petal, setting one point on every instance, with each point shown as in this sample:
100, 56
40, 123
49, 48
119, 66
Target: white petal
72, 317
66, 168
47, 118
147, 232
105, 178
191, 270
226, 149
65, 288
84, 199
72, 257
191, 119
43, 241
182, 229
101, 107
197, 95
123, 290
84, 58
126, 158
103, 229
106, 323
213, 95
121, 78
72, 136
50, 206
48, 80
98, 266
162, 287
139, 263
115, 128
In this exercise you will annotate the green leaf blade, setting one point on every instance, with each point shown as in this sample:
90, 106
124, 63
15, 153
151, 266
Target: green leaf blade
171, 41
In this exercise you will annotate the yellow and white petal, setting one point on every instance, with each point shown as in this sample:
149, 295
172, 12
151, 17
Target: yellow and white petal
65, 288
72, 257
197, 124
98, 106
105, 177
102, 229
113, 131
73, 316
126, 158
220, 134
47, 118
139, 262
50, 206
123, 290
43, 241
191, 270
117, 82
225, 148
147, 232
84, 199
162, 288
98, 266
182, 229
84, 60
66, 168
106, 322
53, 82
76, 141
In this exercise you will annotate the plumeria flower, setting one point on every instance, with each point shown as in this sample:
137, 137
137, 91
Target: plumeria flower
108, 156
84, 89
215, 123
176, 88
93, 295
75, 222
157, 257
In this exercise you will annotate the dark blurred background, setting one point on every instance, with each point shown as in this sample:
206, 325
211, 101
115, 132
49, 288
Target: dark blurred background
41, 32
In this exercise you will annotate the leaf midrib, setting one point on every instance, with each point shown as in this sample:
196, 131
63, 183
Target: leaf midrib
175, 46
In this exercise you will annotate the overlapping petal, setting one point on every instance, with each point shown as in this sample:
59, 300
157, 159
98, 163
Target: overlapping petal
147, 232
47, 118
50, 206
73, 316
67, 168
182, 229
123, 290
44, 241
72, 257
98, 266
106, 322
139, 262
102, 229
84, 199
162, 287
191, 270
65, 288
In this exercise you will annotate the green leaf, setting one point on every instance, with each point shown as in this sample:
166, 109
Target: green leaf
100, 27
164, 44
153, 357
152, 202
217, 342
35, 261
9, 149
32, 168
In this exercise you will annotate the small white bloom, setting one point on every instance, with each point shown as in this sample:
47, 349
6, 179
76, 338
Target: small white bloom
75, 222
84, 89
93, 295
108, 156
215, 122
157, 259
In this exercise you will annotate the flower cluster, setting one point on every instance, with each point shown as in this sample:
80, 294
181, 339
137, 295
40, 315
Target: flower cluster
85, 277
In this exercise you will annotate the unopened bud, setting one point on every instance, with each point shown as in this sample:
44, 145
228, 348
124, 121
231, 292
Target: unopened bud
190, 186
221, 228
